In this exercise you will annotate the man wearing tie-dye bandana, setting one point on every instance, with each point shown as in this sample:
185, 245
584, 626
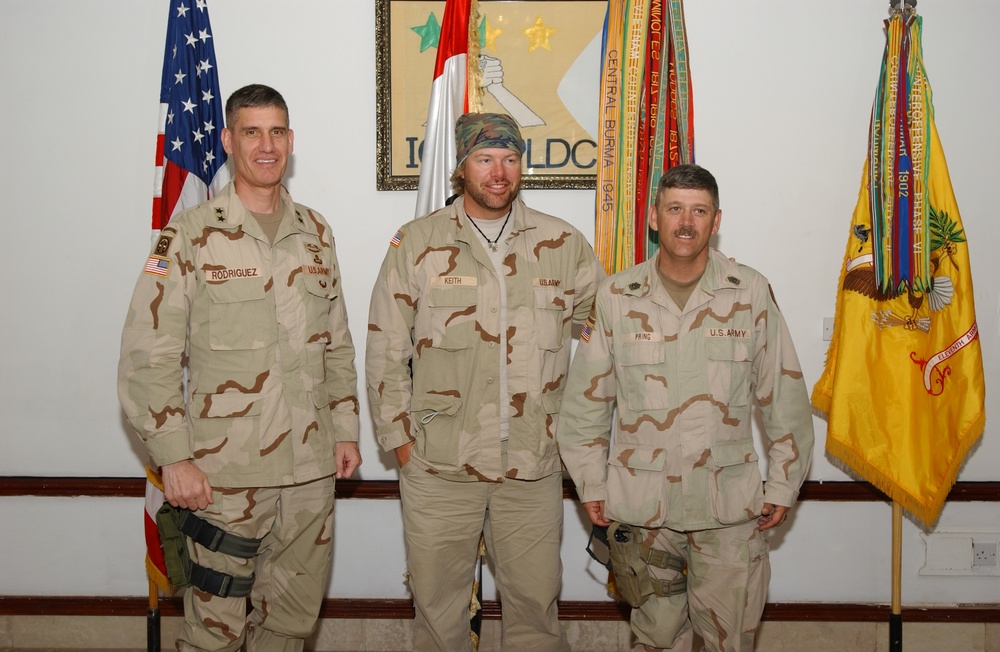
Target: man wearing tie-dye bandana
468, 347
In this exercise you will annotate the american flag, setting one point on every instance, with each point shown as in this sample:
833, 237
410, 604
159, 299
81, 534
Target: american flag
190, 168
158, 266
190, 161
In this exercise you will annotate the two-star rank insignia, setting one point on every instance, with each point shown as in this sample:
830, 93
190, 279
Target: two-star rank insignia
220, 214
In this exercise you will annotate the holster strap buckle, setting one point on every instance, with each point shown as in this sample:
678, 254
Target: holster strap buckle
220, 584
667, 588
216, 539
662, 559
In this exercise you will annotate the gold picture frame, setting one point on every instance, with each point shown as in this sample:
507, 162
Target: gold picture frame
542, 66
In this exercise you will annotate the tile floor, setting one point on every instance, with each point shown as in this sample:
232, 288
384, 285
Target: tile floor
125, 634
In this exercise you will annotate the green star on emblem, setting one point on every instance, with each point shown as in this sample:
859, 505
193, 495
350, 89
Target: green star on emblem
429, 32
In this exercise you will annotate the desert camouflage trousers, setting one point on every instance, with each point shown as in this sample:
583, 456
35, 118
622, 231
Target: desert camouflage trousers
522, 524
292, 568
728, 571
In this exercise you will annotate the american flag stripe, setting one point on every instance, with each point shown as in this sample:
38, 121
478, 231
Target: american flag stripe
156, 566
397, 239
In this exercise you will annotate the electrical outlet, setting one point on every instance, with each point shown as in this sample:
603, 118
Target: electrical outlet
984, 553
972, 553
827, 329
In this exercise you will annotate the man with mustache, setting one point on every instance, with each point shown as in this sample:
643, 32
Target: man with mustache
680, 347
468, 347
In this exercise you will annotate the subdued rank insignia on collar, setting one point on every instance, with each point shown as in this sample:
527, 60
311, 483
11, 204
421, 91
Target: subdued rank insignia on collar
635, 285
733, 280
220, 214
162, 245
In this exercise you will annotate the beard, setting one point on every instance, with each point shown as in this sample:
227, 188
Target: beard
492, 201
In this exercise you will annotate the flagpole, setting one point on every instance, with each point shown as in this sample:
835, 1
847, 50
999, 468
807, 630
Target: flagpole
153, 619
896, 616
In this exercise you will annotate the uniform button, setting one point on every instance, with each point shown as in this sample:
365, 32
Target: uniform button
489, 381
492, 344
493, 309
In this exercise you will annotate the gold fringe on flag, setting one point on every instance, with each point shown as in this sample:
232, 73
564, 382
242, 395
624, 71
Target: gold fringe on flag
475, 73
903, 386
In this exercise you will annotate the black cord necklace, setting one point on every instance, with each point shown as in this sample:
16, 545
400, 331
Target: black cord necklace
492, 243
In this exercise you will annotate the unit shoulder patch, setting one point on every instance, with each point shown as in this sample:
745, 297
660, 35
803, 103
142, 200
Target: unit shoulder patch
162, 245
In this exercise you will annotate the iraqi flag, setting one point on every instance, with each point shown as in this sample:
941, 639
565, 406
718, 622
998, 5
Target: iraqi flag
449, 100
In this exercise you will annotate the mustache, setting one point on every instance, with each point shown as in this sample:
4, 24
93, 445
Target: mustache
685, 231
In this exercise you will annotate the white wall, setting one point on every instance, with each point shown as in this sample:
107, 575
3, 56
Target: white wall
782, 90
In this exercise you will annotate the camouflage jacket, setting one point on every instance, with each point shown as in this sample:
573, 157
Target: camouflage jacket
684, 383
262, 329
435, 308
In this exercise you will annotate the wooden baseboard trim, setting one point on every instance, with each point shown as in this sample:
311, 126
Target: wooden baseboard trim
340, 608
389, 489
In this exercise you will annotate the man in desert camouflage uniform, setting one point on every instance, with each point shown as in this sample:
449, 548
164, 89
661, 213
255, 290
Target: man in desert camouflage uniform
244, 292
468, 346
682, 345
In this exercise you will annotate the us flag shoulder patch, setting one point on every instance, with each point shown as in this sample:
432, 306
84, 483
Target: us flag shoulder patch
157, 266
397, 239
587, 331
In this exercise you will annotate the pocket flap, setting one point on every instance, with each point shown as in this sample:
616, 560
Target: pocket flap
550, 298
728, 349
636, 352
236, 290
640, 458
453, 297
319, 286
439, 403
730, 453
